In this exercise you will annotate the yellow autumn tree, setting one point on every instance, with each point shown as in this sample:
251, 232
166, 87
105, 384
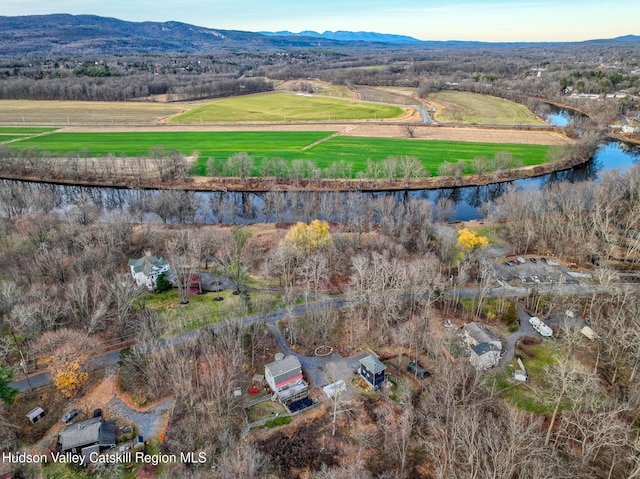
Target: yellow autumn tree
66, 352
307, 239
468, 240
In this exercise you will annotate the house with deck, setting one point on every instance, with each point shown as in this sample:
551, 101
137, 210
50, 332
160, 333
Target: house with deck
284, 377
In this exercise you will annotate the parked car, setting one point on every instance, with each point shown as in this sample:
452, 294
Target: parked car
544, 260
533, 260
521, 260
70, 415
97, 413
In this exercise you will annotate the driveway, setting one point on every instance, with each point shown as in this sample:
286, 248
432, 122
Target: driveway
510, 341
321, 370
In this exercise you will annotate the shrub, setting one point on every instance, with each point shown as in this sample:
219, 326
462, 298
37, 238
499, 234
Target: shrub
510, 317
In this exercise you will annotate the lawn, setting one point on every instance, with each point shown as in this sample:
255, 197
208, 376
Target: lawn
467, 107
277, 106
300, 145
203, 310
528, 396
263, 410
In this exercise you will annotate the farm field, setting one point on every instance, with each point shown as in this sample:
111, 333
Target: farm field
290, 145
466, 107
432, 153
277, 106
221, 144
9, 134
62, 113
20, 130
319, 88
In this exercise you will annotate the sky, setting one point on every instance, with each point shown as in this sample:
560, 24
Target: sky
498, 20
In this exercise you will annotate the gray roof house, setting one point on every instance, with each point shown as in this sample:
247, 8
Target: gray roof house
373, 371
484, 346
145, 270
92, 432
284, 377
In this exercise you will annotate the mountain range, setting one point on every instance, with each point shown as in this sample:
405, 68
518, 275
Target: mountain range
348, 36
60, 35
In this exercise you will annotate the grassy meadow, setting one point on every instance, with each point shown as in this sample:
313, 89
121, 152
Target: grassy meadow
277, 106
322, 148
466, 107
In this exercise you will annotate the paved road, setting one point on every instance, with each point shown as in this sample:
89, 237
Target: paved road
44, 378
112, 358
314, 365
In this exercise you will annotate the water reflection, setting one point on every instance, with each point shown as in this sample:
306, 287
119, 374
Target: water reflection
242, 207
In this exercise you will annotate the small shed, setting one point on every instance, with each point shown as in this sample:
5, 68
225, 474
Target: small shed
36, 414
418, 370
332, 390
520, 375
373, 371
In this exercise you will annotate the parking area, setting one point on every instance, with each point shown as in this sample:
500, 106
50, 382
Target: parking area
532, 270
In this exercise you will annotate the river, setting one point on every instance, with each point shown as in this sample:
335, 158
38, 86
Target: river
464, 203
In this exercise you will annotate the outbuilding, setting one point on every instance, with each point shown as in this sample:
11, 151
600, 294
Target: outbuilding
418, 370
36, 414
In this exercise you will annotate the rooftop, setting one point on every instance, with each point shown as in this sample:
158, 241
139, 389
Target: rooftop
480, 333
147, 264
80, 434
373, 364
289, 363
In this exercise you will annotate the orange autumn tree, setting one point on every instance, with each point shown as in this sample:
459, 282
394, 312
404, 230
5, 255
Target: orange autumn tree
65, 352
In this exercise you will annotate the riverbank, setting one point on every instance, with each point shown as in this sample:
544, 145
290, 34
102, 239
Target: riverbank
264, 184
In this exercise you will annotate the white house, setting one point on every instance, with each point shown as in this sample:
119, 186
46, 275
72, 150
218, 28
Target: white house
145, 271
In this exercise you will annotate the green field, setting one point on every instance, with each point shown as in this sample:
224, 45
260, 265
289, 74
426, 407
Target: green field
467, 107
219, 144
287, 145
23, 130
10, 133
276, 106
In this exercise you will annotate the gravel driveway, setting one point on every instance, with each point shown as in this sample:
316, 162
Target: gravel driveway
148, 423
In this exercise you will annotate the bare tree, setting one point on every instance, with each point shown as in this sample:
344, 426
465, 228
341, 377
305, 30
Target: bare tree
184, 253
